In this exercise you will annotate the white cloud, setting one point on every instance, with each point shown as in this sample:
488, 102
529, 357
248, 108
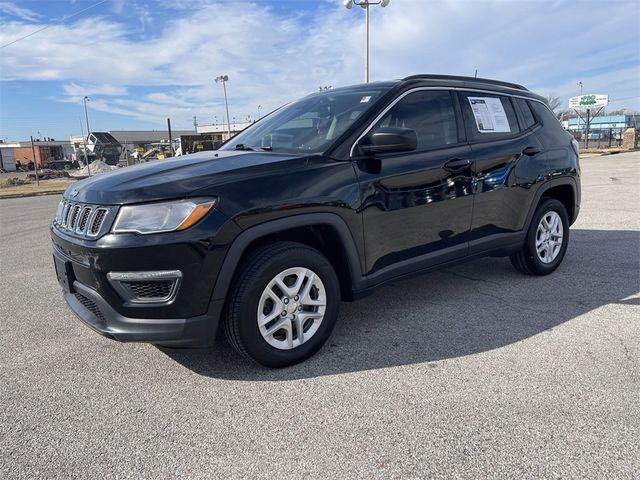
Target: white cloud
73, 91
271, 58
11, 9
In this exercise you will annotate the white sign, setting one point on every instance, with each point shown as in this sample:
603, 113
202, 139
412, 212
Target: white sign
592, 100
489, 115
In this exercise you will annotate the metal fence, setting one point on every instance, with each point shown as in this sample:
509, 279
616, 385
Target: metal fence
599, 137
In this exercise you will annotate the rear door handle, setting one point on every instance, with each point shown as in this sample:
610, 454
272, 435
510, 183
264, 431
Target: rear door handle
457, 164
531, 151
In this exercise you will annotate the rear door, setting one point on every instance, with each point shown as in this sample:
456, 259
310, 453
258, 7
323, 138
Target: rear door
507, 160
417, 205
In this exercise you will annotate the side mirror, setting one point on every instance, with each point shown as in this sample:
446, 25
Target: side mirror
388, 139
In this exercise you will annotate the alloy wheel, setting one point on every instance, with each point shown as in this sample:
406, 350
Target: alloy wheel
549, 237
291, 308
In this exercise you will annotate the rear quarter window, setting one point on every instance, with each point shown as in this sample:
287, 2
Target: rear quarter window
545, 115
488, 117
527, 115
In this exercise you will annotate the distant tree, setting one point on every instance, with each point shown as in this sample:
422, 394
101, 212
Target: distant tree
565, 114
554, 101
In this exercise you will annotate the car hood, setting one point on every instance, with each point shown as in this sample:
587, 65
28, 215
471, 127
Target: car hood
175, 178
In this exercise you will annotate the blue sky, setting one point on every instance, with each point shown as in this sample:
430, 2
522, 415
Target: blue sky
141, 61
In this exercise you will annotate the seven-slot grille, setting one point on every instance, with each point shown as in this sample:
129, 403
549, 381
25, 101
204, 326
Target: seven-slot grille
84, 220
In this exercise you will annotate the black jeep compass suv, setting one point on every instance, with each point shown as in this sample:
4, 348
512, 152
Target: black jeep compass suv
320, 201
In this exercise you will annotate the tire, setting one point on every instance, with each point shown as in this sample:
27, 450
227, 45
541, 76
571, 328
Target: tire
250, 301
529, 260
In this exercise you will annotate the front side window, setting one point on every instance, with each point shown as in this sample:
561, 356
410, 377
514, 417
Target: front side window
488, 116
309, 125
429, 113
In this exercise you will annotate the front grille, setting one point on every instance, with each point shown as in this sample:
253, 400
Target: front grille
160, 289
97, 221
84, 220
90, 305
73, 216
82, 223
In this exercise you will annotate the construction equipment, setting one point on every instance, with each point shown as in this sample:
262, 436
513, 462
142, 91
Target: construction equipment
102, 146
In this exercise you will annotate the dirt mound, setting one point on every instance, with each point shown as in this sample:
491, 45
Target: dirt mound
13, 182
94, 168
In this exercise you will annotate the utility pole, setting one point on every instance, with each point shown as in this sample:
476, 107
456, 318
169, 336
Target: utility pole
86, 116
84, 143
170, 140
35, 162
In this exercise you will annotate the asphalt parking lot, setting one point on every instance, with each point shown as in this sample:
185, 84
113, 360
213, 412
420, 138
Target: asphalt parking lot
472, 372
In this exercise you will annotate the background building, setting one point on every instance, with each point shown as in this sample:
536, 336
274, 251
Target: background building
18, 154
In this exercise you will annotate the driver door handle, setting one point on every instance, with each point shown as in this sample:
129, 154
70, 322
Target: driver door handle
457, 164
531, 151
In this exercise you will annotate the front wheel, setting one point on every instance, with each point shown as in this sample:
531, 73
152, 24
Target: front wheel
283, 304
546, 241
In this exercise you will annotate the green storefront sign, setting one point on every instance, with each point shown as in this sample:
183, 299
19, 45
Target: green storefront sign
587, 100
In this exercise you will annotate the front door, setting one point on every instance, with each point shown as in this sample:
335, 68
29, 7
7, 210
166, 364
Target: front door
417, 205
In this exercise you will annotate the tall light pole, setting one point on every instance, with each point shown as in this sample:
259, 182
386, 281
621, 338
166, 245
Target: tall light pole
365, 4
580, 85
86, 116
259, 108
224, 79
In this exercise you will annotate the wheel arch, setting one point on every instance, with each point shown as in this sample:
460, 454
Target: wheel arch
323, 231
562, 189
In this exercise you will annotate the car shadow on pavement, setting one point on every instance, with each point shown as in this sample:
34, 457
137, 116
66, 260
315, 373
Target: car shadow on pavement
458, 311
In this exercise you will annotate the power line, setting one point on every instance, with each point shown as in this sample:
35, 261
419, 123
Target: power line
66, 17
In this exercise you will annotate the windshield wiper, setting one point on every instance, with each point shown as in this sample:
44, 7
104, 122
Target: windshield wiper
242, 146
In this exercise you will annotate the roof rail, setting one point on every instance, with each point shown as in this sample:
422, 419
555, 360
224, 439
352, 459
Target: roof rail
464, 79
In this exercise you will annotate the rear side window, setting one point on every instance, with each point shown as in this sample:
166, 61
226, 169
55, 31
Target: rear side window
489, 117
544, 114
430, 113
527, 115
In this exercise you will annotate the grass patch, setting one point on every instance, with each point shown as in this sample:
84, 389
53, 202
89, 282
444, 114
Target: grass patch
28, 189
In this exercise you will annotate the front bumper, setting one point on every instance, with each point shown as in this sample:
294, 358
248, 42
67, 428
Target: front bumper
97, 314
188, 319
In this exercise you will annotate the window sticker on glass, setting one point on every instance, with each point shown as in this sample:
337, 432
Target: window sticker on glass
489, 114
365, 99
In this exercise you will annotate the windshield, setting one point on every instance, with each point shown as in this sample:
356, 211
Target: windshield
309, 125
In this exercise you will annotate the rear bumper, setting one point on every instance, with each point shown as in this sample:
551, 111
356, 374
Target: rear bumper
97, 314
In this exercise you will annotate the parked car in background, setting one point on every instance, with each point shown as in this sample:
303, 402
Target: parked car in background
322, 201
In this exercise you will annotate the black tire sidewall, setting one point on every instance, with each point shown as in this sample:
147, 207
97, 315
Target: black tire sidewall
531, 254
255, 345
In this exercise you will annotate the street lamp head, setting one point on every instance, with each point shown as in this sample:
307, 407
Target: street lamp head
221, 78
347, 4
384, 3
86, 98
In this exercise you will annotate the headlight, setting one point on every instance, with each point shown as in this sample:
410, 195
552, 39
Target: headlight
58, 217
161, 217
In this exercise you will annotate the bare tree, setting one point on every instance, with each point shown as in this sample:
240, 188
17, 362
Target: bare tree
554, 101
565, 114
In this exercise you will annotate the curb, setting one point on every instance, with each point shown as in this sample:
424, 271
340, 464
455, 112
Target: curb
31, 194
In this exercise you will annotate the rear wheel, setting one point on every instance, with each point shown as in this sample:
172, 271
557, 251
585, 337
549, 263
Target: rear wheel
283, 304
546, 241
